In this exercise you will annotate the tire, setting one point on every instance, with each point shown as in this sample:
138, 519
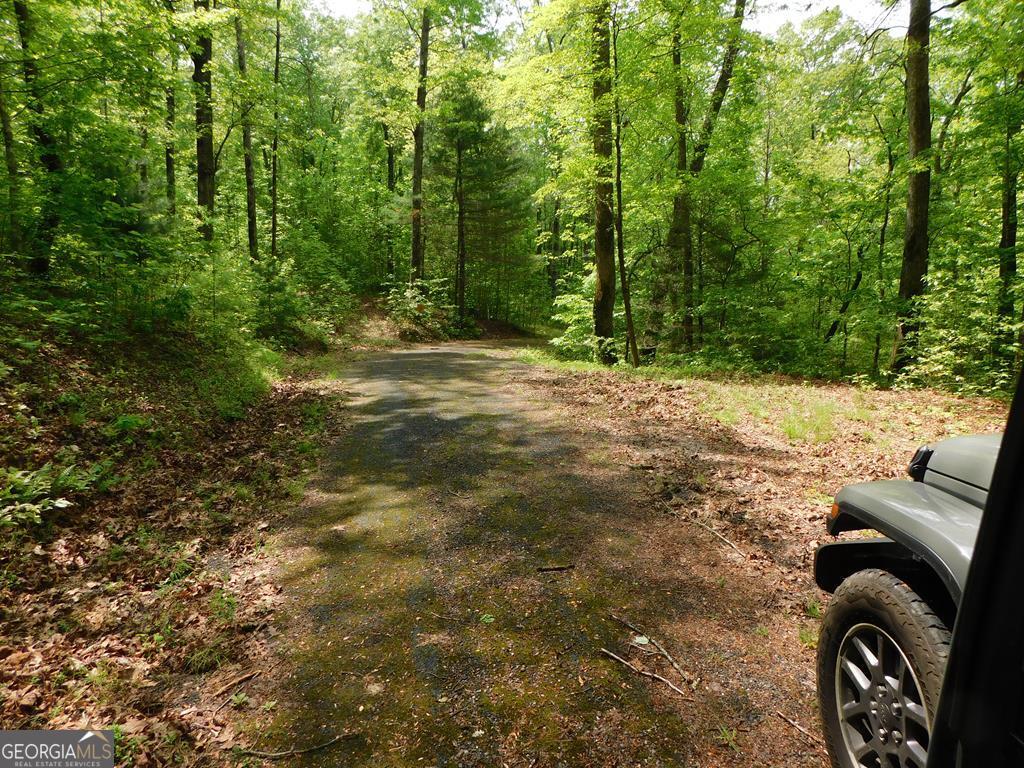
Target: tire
875, 615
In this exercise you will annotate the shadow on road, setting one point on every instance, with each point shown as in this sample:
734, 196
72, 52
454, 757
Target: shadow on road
419, 617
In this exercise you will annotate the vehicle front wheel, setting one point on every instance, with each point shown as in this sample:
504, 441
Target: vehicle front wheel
881, 656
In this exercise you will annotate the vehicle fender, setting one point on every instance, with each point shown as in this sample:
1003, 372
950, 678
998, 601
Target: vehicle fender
834, 562
932, 525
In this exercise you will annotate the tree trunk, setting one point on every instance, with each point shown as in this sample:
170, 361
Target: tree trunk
169, 120
11, 162
681, 231
845, 306
732, 49
171, 190
919, 135
47, 146
250, 175
460, 201
144, 162
389, 242
604, 227
202, 77
1008, 233
274, 162
883, 234
51, 161
700, 284
417, 152
619, 239
938, 154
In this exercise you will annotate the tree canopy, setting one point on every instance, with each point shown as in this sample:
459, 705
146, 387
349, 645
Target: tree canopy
830, 200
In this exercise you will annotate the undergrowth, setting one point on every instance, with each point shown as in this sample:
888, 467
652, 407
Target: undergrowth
84, 408
137, 467
423, 312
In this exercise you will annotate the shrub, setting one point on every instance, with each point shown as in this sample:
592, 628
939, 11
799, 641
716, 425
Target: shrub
574, 312
421, 310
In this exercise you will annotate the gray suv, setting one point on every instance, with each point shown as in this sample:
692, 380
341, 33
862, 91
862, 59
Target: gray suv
885, 638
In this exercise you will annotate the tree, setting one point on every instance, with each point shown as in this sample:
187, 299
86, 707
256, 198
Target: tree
274, 159
620, 240
681, 230
392, 183
170, 107
202, 77
13, 240
250, 173
417, 160
919, 133
1010, 175
604, 226
462, 118
49, 156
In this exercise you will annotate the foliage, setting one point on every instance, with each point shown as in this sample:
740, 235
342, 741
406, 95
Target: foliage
419, 310
573, 312
797, 210
27, 495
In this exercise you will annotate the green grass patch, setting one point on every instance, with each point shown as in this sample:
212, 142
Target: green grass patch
238, 380
812, 423
808, 637
812, 608
794, 408
541, 356
207, 657
223, 606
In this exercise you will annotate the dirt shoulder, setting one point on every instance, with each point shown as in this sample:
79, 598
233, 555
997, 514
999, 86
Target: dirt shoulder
756, 461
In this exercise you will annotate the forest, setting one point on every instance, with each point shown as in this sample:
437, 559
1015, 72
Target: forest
458, 382
641, 182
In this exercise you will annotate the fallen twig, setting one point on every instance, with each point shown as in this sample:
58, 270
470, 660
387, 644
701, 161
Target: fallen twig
645, 673
668, 656
643, 649
291, 752
554, 568
241, 684
240, 679
706, 527
814, 739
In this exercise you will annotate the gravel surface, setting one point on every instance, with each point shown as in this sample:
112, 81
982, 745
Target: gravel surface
453, 572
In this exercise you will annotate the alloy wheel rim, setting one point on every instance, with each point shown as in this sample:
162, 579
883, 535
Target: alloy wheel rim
882, 713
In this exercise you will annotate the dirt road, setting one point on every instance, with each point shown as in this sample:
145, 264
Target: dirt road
422, 614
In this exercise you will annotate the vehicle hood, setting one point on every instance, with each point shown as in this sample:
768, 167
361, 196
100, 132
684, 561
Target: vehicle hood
963, 466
